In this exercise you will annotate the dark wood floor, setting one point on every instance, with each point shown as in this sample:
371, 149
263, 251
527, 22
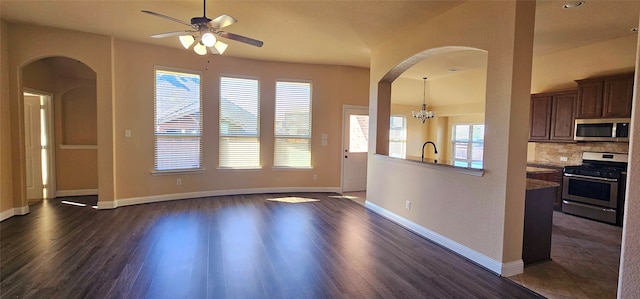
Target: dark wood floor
231, 247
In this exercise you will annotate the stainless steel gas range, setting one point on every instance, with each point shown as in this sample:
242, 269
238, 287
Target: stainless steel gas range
596, 189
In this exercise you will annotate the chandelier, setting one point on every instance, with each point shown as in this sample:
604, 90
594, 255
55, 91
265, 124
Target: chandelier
423, 114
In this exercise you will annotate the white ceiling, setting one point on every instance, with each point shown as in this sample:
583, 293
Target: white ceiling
321, 31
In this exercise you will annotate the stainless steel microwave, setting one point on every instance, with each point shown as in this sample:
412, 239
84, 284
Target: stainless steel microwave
604, 129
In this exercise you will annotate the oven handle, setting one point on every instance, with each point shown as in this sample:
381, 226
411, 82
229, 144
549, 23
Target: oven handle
590, 177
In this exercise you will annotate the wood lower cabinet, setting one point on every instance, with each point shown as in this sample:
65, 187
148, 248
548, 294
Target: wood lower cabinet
553, 175
552, 116
605, 97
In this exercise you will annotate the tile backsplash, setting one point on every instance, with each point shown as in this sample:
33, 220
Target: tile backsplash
550, 153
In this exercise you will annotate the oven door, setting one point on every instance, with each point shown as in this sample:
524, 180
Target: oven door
597, 191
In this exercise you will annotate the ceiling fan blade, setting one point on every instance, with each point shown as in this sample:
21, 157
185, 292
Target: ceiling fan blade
174, 33
222, 21
240, 38
166, 17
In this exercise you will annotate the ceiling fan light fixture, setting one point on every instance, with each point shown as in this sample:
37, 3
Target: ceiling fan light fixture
573, 4
218, 48
186, 40
208, 39
200, 49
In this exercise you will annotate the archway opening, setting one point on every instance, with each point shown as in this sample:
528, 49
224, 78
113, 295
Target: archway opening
455, 91
68, 124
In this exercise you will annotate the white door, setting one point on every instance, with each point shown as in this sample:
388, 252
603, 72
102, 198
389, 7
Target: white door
356, 145
33, 148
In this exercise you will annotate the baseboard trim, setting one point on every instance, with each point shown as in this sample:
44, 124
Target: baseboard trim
482, 260
78, 192
102, 205
14, 212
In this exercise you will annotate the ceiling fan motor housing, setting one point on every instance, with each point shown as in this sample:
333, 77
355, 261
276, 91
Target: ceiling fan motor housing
200, 20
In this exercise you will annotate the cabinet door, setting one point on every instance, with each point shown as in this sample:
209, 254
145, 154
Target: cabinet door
618, 94
590, 100
540, 118
562, 117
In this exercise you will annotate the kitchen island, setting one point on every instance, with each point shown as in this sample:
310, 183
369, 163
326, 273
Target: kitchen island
538, 221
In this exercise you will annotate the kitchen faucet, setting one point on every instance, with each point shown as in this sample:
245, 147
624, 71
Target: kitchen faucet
435, 150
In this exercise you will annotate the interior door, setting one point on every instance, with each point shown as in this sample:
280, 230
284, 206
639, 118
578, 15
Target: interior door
356, 146
33, 149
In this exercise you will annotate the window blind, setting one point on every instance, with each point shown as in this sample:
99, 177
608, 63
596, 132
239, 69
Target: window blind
177, 121
239, 123
292, 146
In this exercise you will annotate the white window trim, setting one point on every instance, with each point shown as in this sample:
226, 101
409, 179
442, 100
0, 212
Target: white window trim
406, 132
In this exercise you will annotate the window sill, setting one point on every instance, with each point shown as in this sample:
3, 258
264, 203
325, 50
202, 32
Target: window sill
223, 169
177, 171
284, 168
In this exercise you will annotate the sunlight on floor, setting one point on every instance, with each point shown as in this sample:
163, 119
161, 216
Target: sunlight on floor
293, 199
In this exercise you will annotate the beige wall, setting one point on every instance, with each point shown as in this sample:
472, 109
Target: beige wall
453, 204
557, 71
6, 181
333, 86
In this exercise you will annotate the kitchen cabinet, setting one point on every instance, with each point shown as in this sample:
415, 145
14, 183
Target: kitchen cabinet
605, 97
552, 116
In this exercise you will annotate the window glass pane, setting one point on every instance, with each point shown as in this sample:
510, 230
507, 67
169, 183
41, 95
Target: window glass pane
460, 150
177, 120
184, 152
293, 125
239, 152
293, 109
477, 151
358, 133
478, 133
293, 152
461, 133
397, 136
239, 107
239, 123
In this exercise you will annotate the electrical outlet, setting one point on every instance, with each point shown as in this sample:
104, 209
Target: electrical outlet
127, 133
315, 177
408, 205
178, 182
564, 159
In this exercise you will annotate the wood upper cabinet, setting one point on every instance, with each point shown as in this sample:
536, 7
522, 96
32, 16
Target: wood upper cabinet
605, 97
618, 95
552, 116
540, 117
562, 116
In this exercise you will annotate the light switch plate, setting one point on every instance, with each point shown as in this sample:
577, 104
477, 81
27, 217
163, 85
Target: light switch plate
564, 159
127, 133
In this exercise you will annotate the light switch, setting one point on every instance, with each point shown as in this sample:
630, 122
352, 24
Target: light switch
127, 133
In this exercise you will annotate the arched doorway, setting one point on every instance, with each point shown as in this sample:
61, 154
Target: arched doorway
60, 106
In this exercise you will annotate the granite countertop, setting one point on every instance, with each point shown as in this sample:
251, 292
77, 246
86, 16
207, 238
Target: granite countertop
531, 169
533, 184
436, 162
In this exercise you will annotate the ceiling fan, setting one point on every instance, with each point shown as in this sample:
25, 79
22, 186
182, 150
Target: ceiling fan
203, 32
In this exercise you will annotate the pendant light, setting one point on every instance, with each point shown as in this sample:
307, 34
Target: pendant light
423, 114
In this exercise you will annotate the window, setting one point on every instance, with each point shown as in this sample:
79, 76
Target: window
468, 145
178, 126
293, 125
398, 137
239, 123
